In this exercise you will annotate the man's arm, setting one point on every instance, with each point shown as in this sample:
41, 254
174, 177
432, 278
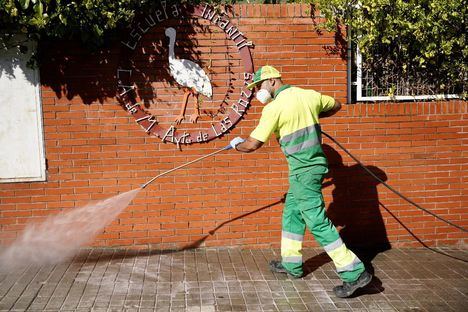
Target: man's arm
249, 145
332, 111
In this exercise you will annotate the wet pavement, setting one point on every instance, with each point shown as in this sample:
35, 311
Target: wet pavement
235, 280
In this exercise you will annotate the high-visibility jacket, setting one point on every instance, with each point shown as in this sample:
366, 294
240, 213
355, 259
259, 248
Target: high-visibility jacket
293, 116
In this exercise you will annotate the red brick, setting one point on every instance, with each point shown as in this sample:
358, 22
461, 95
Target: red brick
95, 150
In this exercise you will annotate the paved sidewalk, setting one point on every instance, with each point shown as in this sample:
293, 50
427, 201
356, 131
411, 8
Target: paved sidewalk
235, 280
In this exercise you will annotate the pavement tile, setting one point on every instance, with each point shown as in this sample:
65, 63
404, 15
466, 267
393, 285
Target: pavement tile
212, 280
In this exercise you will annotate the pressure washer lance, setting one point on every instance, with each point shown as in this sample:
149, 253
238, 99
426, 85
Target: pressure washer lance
228, 147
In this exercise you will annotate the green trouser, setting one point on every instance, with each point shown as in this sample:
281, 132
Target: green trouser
305, 206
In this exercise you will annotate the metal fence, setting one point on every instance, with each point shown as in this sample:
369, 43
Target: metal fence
373, 87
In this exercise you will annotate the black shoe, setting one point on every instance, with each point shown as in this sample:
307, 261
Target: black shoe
347, 289
277, 267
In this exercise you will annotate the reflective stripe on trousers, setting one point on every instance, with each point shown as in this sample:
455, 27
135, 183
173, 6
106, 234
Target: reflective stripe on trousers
291, 245
343, 258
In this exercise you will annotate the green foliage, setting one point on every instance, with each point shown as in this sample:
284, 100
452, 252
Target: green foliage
404, 37
88, 20
423, 40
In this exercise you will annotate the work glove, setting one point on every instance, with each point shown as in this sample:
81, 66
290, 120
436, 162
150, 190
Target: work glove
234, 142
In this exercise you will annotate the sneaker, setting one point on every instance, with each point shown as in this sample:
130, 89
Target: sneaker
347, 289
277, 267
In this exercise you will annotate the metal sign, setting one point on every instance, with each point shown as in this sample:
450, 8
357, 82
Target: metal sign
189, 80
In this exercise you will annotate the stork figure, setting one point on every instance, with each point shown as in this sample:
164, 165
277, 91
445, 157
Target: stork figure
190, 76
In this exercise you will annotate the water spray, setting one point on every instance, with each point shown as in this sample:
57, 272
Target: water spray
59, 237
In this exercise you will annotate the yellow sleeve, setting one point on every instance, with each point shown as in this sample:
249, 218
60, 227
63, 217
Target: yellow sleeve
267, 125
326, 103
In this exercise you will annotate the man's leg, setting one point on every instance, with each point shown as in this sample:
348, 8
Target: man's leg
292, 235
307, 190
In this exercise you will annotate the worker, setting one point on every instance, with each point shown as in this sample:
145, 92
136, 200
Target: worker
293, 113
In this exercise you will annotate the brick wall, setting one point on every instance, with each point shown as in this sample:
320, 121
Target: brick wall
95, 149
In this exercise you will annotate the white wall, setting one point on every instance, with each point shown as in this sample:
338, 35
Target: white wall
21, 134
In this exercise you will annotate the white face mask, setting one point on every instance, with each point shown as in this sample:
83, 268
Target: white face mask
263, 96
